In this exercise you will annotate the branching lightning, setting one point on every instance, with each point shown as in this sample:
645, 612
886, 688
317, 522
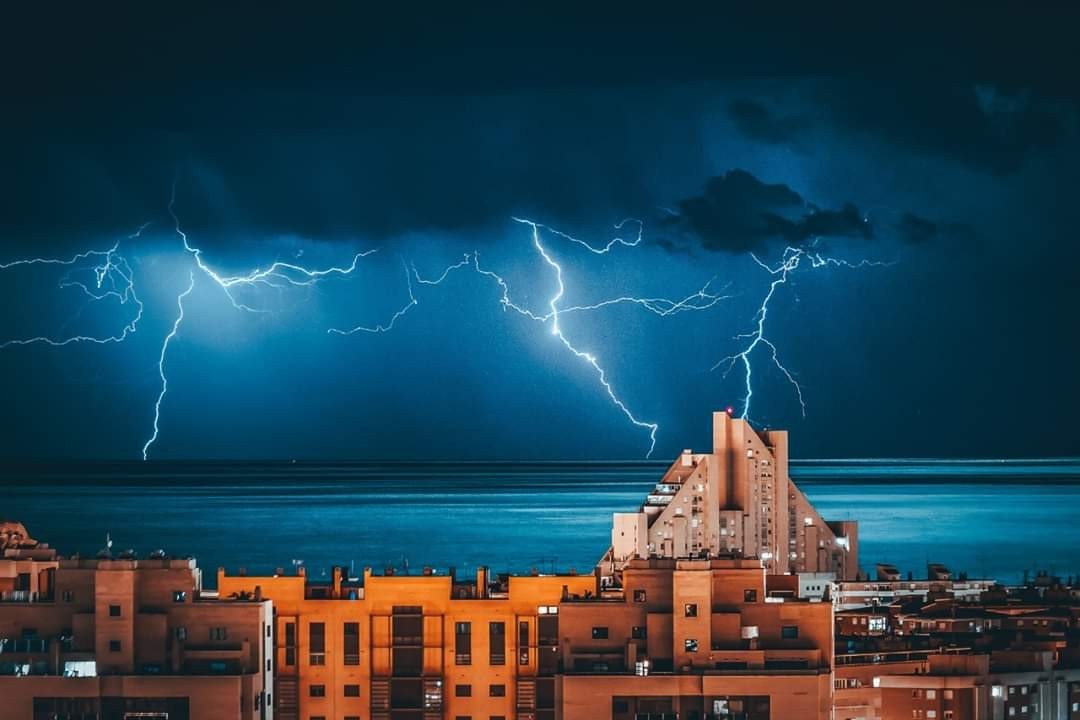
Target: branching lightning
105, 275
790, 261
112, 278
701, 300
279, 275
161, 361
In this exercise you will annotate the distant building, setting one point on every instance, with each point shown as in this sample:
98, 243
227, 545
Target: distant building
734, 502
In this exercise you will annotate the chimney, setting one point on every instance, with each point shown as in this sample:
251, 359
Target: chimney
482, 582
258, 593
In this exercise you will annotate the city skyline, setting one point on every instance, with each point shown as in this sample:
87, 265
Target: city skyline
626, 217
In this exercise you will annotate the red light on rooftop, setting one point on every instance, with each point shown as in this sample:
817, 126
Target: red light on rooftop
730, 410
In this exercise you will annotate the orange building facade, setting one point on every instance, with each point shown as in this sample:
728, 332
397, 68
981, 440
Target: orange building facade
117, 638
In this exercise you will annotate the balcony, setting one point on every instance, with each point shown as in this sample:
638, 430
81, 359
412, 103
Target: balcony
26, 596
25, 646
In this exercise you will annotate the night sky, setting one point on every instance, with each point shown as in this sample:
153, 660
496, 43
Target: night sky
940, 147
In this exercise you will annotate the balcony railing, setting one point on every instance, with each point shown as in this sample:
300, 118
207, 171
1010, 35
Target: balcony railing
24, 646
25, 596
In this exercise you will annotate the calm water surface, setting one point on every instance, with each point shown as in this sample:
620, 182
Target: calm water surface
991, 519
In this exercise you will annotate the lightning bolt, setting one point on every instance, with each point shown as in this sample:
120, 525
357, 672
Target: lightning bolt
388, 326
161, 362
279, 275
112, 278
789, 262
700, 300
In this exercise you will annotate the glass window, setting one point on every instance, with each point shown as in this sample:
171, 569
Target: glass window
351, 645
599, 633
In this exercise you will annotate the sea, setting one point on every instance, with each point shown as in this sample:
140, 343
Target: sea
989, 518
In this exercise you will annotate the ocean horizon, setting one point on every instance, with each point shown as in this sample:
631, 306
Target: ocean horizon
990, 518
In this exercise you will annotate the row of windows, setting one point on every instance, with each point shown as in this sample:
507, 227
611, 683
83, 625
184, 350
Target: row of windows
317, 643
600, 632
749, 595
320, 691
466, 691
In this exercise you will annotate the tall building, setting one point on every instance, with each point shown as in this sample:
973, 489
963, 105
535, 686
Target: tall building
734, 502
111, 638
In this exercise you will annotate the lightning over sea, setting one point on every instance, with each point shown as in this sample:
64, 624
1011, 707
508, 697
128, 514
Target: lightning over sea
108, 278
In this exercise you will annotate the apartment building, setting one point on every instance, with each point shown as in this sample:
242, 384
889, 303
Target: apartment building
415, 647
736, 501
113, 638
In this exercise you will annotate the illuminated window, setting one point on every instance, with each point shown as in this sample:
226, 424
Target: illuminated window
690, 645
690, 610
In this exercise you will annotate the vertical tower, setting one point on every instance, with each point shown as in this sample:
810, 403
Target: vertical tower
739, 502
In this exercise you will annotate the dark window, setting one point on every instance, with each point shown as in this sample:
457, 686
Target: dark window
463, 691
599, 633
181, 633
523, 639
638, 632
749, 596
114, 611
639, 596
408, 630
219, 633
351, 648
547, 630
318, 717
463, 643
179, 595
114, 646
690, 609
317, 691
789, 632
691, 645
352, 691
407, 661
317, 643
67, 596
497, 690
290, 643
497, 643
497, 717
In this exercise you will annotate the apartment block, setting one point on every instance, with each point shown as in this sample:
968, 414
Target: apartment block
112, 638
737, 501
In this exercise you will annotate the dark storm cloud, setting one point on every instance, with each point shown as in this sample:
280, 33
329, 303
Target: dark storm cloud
736, 212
